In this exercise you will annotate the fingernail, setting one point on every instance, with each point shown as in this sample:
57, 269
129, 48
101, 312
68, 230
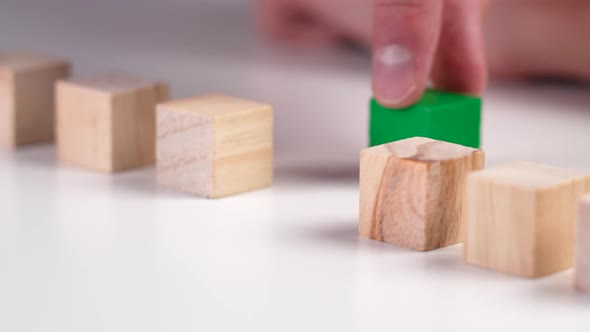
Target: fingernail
394, 75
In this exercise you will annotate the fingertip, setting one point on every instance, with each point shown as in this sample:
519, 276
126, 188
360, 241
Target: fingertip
412, 98
394, 74
468, 78
405, 39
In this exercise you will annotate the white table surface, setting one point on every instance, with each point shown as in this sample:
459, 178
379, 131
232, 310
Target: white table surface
86, 252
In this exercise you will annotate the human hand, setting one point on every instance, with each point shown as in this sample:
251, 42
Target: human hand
418, 40
442, 39
316, 21
413, 40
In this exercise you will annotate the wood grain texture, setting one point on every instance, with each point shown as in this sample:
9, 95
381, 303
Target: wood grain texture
582, 264
184, 151
27, 97
520, 218
108, 128
214, 146
411, 192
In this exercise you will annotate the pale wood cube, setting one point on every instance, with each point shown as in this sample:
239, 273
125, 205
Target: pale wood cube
107, 123
582, 273
520, 218
214, 146
27, 84
411, 192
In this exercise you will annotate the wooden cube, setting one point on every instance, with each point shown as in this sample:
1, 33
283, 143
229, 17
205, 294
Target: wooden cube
27, 97
520, 218
107, 123
214, 146
582, 273
411, 192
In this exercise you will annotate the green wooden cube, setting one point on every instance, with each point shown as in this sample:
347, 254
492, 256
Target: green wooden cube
438, 115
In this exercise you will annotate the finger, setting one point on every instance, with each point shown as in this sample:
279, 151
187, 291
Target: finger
405, 39
460, 64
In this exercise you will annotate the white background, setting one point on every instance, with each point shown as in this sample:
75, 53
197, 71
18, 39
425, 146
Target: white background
86, 252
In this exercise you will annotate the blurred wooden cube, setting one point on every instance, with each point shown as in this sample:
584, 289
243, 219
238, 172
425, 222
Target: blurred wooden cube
411, 192
107, 122
27, 83
214, 146
520, 218
582, 273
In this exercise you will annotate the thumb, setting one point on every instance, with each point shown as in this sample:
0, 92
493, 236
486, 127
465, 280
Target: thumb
405, 40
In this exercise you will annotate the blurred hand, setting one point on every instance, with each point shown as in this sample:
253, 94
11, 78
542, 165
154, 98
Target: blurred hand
316, 21
412, 39
415, 41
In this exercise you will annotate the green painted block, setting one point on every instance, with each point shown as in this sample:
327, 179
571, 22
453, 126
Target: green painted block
438, 115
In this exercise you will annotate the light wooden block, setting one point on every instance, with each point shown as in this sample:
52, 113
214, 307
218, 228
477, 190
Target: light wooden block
214, 146
411, 192
582, 273
520, 218
27, 83
107, 123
